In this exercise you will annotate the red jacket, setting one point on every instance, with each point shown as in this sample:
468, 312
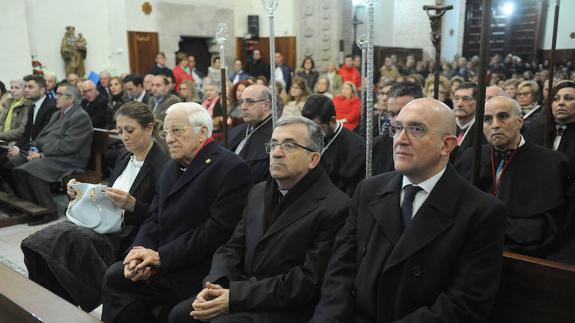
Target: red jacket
350, 74
180, 75
349, 109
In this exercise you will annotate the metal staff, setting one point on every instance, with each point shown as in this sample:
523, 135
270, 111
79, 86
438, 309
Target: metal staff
479, 113
369, 88
435, 20
362, 44
548, 112
221, 35
270, 6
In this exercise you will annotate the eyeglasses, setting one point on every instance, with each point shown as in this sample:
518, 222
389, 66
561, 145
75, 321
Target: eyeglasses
286, 147
176, 132
464, 98
412, 131
249, 102
523, 93
59, 94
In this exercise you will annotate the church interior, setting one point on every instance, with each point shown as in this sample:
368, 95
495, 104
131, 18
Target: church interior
107, 54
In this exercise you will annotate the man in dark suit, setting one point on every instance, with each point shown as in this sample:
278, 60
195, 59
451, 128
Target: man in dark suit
257, 66
272, 267
510, 169
238, 74
134, 86
41, 111
162, 99
398, 95
248, 139
61, 148
464, 106
200, 197
95, 104
421, 244
343, 155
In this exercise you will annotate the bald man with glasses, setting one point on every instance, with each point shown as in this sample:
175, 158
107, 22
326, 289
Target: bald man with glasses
272, 267
420, 244
248, 139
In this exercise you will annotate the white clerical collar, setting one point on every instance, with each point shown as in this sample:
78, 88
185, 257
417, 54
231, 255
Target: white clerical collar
426, 185
464, 126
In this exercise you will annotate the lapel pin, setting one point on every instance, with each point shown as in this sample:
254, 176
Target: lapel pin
208, 161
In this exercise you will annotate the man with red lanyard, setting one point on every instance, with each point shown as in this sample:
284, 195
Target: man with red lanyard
530, 179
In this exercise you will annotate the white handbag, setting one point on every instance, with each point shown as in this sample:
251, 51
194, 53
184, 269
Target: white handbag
93, 210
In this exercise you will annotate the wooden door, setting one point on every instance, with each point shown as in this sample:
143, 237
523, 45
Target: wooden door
284, 45
142, 48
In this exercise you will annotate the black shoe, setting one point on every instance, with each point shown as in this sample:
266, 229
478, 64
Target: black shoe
42, 219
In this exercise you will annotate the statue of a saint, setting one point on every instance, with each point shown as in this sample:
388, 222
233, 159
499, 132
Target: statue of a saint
73, 50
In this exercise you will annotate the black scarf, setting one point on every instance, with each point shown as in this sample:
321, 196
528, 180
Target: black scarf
275, 203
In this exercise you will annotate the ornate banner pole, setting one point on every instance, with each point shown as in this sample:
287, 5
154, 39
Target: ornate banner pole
435, 20
221, 35
369, 88
480, 111
270, 6
362, 44
548, 112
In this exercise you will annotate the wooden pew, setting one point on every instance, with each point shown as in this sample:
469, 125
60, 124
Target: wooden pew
23, 301
29, 209
535, 290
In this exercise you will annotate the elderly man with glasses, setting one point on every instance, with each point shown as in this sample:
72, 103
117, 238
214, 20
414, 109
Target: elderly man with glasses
272, 267
200, 197
62, 147
420, 244
248, 139
95, 104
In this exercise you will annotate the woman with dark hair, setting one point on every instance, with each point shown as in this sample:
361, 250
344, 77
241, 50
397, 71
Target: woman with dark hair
348, 106
308, 72
115, 100
299, 92
181, 71
70, 260
235, 115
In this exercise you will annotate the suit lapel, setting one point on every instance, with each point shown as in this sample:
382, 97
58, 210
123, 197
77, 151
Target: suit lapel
433, 218
205, 158
385, 209
255, 226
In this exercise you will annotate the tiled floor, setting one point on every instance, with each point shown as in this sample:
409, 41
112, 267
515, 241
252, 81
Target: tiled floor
12, 236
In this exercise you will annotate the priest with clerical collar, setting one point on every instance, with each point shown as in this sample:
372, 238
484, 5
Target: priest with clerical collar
248, 139
343, 155
530, 179
272, 268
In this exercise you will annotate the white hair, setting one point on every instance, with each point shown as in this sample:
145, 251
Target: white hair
197, 115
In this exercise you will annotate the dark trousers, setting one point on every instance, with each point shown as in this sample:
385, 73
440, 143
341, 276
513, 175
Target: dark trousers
40, 273
181, 314
33, 189
143, 301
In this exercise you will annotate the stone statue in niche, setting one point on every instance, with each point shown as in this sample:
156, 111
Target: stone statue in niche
73, 50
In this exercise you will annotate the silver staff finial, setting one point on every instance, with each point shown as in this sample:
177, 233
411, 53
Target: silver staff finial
221, 33
361, 41
270, 5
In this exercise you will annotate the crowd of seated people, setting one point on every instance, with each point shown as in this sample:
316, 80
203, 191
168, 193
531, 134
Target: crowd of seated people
203, 224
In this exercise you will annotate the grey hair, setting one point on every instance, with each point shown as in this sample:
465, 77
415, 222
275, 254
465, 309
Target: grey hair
73, 91
19, 82
197, 115
513, 102
314, 135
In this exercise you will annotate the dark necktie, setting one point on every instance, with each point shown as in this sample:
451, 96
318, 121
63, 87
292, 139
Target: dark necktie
407, 205
560, 130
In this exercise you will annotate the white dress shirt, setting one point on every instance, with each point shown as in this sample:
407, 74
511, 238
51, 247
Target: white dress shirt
426, 188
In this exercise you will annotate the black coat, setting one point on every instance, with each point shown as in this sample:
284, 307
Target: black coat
194, 213
280, 269
32, 129
259, 68
97, 110
344, 161
444, 268
566, 146
468, 141
382, 161
536, 200
254, 152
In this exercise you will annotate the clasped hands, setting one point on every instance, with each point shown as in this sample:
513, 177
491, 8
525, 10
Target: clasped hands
211, 302
140, 263
121, 199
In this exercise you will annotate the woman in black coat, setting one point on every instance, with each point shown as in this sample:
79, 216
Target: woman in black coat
71, 260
